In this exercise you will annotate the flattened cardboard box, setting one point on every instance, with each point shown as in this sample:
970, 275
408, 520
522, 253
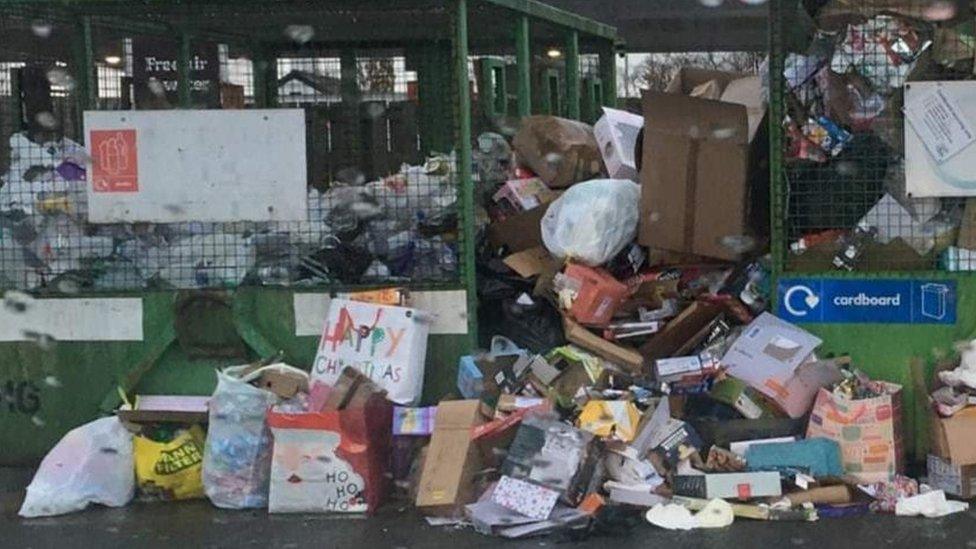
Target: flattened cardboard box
447, 480
617, 354
956, 480
693, 175
520, 231
954, 438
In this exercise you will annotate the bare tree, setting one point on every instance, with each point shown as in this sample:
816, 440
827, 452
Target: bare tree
658, 69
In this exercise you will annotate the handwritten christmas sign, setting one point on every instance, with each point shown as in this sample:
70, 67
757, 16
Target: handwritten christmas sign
386, 343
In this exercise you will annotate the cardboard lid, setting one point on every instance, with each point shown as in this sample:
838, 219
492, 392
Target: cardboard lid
694, 118
749, 93
689, 78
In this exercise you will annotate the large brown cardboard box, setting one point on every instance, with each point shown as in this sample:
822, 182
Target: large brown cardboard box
447, 480
680, 335
523, 230
747, 90
954, 438
694, 189
561, 152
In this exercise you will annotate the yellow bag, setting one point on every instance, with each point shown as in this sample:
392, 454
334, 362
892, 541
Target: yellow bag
171, 470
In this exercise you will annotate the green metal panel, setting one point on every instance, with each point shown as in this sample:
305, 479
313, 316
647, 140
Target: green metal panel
608, 74
434, 88
550, 92
464, 167
591, 100
559, 17
492, 88
523, 61
572, 75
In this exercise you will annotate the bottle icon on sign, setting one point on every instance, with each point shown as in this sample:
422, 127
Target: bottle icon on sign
113, 155
934, 300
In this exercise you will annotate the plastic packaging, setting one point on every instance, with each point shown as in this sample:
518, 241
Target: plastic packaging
237, 457
592, 221
170, 469
91, 464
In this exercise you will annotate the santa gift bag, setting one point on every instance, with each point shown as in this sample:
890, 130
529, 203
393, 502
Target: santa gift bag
386, 343
337, 461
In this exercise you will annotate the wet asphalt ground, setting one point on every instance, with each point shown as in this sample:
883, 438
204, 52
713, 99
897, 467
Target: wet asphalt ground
198, 524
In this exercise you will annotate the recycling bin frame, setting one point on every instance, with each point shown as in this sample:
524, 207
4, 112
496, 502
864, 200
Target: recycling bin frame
53, 384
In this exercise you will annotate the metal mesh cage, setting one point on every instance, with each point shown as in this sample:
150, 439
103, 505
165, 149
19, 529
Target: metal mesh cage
382, 205
379, 88
855, 192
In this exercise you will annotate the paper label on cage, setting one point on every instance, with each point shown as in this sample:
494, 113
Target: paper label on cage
940, 124
114, 161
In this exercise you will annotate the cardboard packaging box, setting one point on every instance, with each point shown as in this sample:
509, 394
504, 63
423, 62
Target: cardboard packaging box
768, 353
541, 137
470, 380
525, 498
520, 231
617, 354
956, 480
694, 188
684, 332
447, 480
683, 368
552, 454
599, 295
283, 383
954, 438
740, 486
167, 408
709, 83
519, 195
616, 133
532, 262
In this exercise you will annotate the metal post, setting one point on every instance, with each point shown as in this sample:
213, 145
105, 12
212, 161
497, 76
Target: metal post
777, 193
572, 75
608, 75
85, 58
183, 70
523, 63
260, 76
265, 76
348, 77
464, 167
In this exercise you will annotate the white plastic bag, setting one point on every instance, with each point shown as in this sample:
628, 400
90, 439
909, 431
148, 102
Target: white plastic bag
237, 456
91, 464
592, 221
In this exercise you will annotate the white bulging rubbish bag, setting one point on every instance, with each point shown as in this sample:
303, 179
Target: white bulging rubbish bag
91, 464
592, 221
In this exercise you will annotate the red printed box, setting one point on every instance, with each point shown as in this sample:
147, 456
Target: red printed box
115, 166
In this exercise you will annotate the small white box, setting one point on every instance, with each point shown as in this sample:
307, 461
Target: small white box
667, 370
616, 134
